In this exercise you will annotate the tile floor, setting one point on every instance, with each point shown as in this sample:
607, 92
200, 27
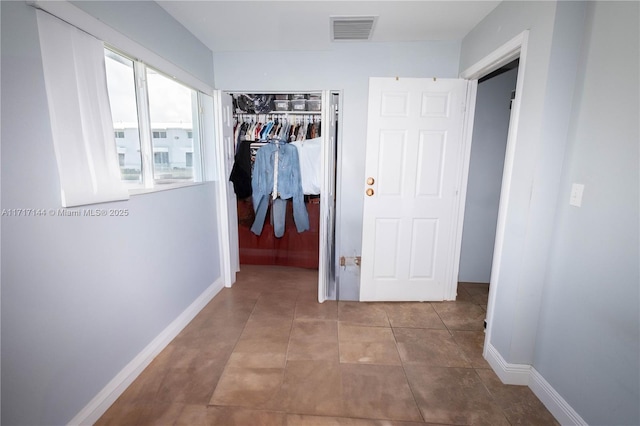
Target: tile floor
266, 353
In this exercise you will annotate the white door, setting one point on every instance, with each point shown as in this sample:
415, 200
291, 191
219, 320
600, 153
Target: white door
413, 175
326, 265
227, 196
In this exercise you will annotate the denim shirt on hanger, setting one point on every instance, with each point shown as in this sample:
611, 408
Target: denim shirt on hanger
289, 185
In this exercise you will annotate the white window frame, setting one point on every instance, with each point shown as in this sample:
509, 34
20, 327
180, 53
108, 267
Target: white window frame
146, 132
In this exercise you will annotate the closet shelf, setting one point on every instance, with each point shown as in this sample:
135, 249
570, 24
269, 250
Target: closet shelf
281, 113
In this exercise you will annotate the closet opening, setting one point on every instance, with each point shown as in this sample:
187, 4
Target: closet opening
283, 178
494, 97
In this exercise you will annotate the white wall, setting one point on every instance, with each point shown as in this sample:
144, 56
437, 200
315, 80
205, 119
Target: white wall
587, 345
346, 67
151, 26
551, 62
490, 127
567, 296
82, 296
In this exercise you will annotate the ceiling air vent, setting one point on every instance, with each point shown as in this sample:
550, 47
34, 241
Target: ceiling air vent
350, 28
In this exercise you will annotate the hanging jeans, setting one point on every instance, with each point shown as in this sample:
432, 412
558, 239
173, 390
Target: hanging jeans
278, 213
288, 186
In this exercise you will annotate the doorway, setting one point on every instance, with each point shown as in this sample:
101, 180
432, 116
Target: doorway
310, 122
516, 48
495, 94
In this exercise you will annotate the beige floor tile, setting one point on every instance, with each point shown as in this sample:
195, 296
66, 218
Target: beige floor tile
122, 414
193, 415
146, 386
247, 387
275, 328
519, 403
479, 291
462, 295
377, 392
311, 309
270, 345
435, 348
194, 357
266, 335
453, 396
414, 315
158, 413
310, 387
302, 420
230, 416
471, 343
359, 313
460, 315
530, 413
193, 385
199, 335
367, 345
313, 340
257, 359
266, 353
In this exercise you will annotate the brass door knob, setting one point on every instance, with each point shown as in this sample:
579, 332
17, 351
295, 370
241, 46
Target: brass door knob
369, 192
370, 181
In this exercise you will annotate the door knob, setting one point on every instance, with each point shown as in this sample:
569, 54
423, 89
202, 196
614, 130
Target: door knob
370, 181
369, 192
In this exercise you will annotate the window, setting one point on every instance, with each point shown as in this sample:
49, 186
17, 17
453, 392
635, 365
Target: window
124, 112
161, 159
157, 122
171, 106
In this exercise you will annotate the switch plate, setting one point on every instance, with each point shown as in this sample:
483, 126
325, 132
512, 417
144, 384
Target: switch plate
575, 199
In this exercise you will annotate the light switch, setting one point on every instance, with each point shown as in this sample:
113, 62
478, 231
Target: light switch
576, 194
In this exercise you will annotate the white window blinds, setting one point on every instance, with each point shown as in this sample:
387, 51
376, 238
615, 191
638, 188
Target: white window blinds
83, 134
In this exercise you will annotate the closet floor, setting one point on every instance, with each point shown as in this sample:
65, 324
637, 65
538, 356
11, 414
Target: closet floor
266, 353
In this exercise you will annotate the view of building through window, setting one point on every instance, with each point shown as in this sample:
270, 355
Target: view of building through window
172, 109
122, 97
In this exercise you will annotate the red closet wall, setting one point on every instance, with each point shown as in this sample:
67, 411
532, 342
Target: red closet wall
292, 249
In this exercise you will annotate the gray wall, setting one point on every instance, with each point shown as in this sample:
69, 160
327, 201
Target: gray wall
152, 27
82, 296
587, 345
567, 297
551, 62
346, 67
490, 127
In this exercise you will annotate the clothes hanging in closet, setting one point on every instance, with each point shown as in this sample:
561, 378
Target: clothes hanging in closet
241, 171
310, 154
276, 178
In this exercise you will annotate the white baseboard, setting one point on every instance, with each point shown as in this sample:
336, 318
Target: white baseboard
108, 395
551, 399
526, 375
510, 374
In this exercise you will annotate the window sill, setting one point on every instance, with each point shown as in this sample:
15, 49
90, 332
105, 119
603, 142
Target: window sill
159, 187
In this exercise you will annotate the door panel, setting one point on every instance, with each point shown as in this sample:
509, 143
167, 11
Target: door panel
326, 266
413, 162
226, 105
391, 162
424, 237
431, 150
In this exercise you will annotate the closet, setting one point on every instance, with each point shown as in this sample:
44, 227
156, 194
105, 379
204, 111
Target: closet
278, 137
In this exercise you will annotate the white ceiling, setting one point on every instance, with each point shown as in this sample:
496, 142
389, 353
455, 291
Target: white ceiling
304, 24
